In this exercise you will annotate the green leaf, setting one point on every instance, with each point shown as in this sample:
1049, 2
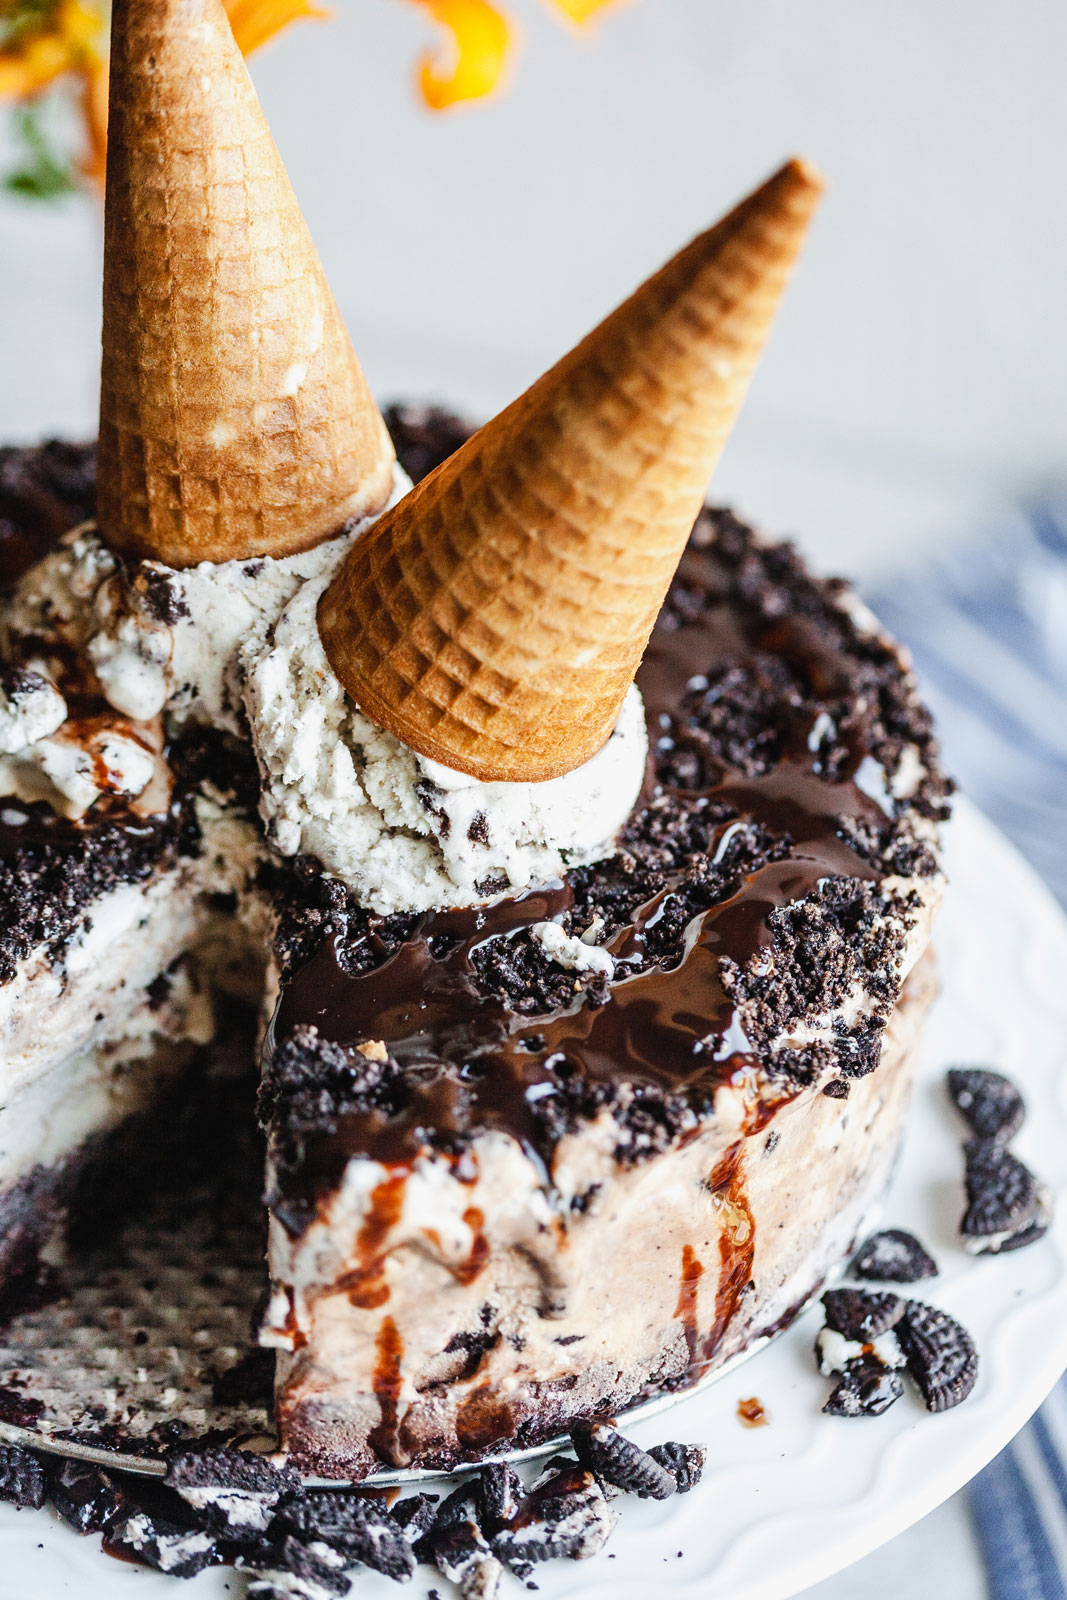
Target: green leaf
44, 173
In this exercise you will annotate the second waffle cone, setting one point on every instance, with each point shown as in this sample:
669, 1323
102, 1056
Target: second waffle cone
494, 619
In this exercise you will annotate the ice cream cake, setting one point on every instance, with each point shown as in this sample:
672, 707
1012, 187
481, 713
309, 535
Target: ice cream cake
578, 845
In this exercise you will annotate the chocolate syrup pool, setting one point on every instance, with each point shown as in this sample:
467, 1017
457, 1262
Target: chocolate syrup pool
474, 1063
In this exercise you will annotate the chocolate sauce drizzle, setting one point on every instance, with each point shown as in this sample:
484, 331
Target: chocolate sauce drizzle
472, 1062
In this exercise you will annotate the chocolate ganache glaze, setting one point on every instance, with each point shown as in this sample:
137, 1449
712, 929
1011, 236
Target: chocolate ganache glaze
464, 1056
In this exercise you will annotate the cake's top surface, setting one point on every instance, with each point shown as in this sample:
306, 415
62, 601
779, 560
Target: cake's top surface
767, 896
770, 887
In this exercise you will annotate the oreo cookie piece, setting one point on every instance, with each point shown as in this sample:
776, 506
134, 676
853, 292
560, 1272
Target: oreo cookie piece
461, 1504
289, 1569
179, 1551
85, 1496
462, 1554
22, 1478
997, 1244
989, 1103
685, 1462
940, 1354
500, 1493
618, 1461
357, 1529
866, 1390
415, 1516
892, 1256
551, 1468
1003, 1195
230, 1490
286, 1586
834, 1353
566, 1516
458, 1507
859, 1315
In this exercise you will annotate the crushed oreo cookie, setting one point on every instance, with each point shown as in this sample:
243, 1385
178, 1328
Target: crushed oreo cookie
868, 1338
500, 1493
566, 1516
1003, 1195
892, 1256
1007, 1207
167, 1546
232, 1490
415, 1516
84, 1495
989, 1103
866, 1390
288, 1569
940, 1354
836, 1354
462, 1554
22, 1478
685, 1462
858, 1314
355, 1526
618, 1461
1003, 1244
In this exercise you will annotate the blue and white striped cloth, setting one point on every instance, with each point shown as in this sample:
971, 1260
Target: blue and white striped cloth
987, 624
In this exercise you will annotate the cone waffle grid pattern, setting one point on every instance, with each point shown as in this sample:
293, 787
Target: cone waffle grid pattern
235, 419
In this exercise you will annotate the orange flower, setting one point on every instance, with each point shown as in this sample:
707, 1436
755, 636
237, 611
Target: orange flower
70, 43
580, 10
254, 22
94, 112
68, 40
475, 57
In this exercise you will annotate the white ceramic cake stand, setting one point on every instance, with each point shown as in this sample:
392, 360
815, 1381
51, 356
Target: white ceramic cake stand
785, 1505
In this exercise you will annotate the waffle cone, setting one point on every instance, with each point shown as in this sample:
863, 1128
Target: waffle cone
234, 418
495, 617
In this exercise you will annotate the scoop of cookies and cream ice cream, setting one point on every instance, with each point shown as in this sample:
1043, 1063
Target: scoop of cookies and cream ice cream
404, 832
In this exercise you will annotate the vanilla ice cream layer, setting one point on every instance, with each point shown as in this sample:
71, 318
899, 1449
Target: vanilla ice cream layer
88, 1094
93, 993
170, 643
